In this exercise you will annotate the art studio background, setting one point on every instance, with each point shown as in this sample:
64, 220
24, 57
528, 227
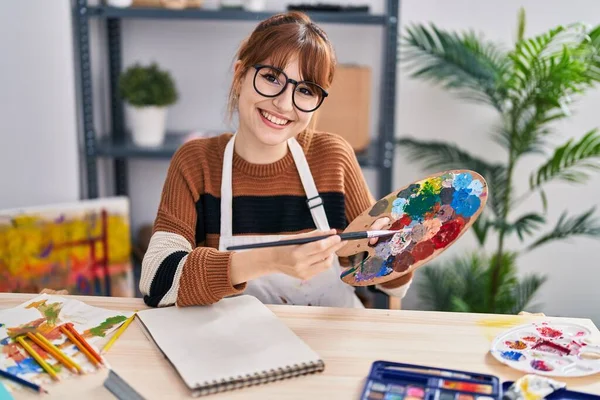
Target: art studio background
42, 146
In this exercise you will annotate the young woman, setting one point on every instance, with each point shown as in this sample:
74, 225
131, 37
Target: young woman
274, 177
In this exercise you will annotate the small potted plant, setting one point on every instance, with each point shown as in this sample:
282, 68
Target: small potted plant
148, 91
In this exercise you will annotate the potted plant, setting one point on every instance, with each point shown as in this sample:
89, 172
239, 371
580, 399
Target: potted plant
530, 87
148, 91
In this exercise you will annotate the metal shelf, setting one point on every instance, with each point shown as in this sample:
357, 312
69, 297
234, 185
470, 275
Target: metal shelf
233, 14
110, 148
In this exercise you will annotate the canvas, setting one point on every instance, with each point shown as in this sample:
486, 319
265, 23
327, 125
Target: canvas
83, 247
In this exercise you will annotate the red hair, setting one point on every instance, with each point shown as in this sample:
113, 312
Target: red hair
280, 38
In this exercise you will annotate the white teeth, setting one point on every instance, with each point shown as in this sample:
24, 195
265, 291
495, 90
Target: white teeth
273, 118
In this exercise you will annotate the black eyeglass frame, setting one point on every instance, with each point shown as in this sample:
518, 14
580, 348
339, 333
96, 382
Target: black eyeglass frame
288, 80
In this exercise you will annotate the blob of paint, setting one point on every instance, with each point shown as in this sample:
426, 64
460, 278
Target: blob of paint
512, 355
446, 195
410, 190
403, 262
530, 338
447, 233
541, 365
462, 181
516, 344
401, 223
379, 207
551, 347
549, 332
419, 205
423, 250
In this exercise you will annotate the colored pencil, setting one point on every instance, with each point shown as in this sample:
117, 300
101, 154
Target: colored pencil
84, 342
45, 344
37, 358
80, 346
118, 333
21, 381
289, 242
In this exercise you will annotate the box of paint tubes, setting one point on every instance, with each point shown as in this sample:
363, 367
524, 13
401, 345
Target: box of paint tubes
397, 381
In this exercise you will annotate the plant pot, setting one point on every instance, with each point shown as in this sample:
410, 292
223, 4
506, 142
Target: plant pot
147, 125
119, 3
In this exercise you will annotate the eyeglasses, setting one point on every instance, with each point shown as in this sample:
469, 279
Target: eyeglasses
270, 81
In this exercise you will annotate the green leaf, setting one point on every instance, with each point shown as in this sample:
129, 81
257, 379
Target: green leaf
481, 227
524, 291
462, 63
580, 225
570, 162
527, 224
547, 70
521, 24
544, 200
435, 287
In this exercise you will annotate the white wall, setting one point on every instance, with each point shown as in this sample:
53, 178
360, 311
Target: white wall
431, 113
38, 136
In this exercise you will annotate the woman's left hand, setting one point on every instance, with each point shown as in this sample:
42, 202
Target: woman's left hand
377, 225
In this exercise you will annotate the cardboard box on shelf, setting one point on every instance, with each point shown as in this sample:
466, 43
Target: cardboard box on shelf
346, 111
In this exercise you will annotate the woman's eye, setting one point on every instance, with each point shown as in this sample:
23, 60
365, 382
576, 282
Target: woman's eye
306, 92
271, 78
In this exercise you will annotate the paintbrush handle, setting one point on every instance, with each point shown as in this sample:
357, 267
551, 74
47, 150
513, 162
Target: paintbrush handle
290, 242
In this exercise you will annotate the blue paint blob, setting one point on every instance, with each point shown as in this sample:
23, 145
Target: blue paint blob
4, 342
27, 366
512, 355
386, 267
465, 204
462, 181
476, 187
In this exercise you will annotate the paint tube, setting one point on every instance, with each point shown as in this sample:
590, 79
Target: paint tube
532, 387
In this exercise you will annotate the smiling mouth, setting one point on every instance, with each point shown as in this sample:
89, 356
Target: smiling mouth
273, 119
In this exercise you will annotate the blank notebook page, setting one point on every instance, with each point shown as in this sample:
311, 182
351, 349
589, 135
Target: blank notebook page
232, 339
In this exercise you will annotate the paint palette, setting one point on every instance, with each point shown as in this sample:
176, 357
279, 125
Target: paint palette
430, 214
551, 349
396, 381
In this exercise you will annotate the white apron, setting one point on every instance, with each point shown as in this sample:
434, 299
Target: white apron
325, 289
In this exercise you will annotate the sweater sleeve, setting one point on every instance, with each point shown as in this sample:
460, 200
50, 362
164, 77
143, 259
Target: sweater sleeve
174, 270
359, 199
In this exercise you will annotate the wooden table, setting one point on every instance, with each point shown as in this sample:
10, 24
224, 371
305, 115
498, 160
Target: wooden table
349, 340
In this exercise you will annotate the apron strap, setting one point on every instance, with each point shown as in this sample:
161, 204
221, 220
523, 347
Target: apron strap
227, 191
314, 201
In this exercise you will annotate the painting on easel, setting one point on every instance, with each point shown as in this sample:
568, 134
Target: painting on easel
84, 247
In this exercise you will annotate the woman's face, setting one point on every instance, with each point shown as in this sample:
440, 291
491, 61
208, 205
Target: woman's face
271, 120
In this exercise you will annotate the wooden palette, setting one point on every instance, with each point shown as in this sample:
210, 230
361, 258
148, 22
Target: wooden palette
432, 214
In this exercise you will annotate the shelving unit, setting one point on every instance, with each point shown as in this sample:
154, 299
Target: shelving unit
117, 145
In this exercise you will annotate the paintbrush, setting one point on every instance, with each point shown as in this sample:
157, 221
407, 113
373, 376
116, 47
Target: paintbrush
289, 242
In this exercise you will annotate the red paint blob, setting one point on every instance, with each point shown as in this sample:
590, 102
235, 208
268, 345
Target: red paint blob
541, 365
549, 332
551, 347
403, 261
423, 250
530, 339
401, 223
447, 233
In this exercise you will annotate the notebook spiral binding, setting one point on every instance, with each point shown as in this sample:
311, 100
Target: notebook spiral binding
259, 378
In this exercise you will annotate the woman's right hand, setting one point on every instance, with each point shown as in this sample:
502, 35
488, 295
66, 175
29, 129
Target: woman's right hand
305, 260
299, 261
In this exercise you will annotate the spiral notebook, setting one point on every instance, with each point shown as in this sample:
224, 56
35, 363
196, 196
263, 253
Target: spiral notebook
234, 343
